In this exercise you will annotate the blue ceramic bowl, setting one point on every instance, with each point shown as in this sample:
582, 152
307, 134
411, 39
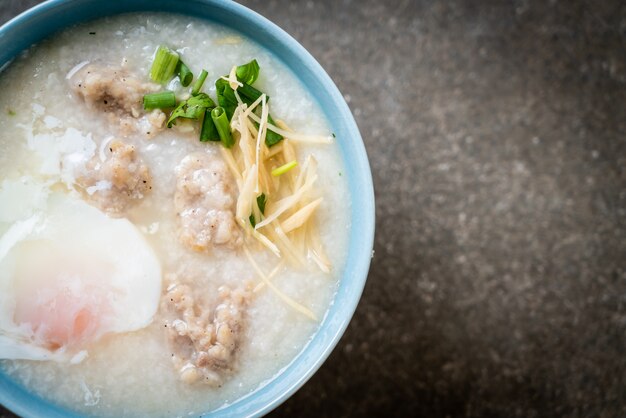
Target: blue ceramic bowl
47, 18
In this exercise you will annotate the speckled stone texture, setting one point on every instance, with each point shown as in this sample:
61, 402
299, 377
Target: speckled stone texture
496, 131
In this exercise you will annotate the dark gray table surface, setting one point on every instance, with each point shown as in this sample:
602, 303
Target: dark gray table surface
496, 132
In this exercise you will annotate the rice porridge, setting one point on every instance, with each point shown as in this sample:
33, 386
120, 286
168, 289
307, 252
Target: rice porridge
143, 271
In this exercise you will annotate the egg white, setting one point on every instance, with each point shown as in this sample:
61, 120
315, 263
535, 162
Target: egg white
66, 265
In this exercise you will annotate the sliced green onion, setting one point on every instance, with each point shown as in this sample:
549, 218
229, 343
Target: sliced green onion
248, 73
208, 131
193, 108
223, 127
226, 97
248, 92
197, 86
164, 65
184, 73
278, 171
272, 138
260, 201
11, 112
160, 100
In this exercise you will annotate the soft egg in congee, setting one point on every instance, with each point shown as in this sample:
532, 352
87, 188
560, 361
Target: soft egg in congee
165, 249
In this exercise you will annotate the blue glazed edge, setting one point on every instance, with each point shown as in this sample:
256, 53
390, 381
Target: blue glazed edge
47, 18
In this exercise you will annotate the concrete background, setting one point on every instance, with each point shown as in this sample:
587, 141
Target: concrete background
496, 131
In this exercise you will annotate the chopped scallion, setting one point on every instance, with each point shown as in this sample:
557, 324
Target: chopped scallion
197, 86
160, 100
164, 65
271, 137
248, 92
226, 97
208, 131
248, 73
278, 171
11, 112
193, 108
223, 126
260, 201
184, 73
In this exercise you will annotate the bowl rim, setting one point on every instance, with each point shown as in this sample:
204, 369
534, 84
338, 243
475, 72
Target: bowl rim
290, 378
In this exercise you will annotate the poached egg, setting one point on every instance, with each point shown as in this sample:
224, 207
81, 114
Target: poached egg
69, 274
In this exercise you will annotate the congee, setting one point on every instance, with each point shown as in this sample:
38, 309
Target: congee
173, 217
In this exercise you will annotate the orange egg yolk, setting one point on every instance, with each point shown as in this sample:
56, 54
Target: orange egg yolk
60, 317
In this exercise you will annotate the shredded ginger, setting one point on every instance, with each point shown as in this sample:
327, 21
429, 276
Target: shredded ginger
287, 225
